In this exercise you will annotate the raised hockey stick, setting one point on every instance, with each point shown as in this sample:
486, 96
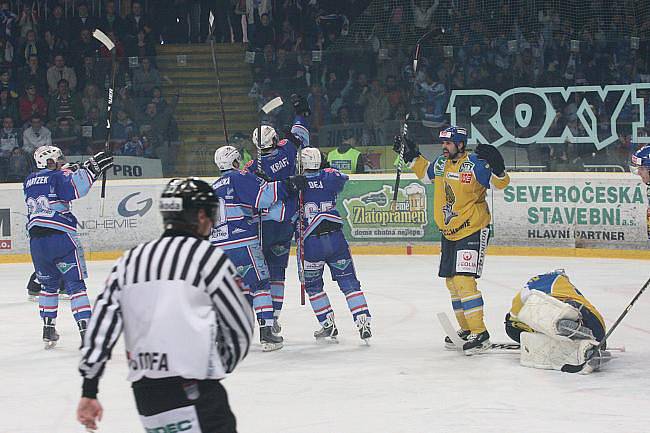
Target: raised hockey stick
300, 250
110, 46
577, 368
215, 66
266, 109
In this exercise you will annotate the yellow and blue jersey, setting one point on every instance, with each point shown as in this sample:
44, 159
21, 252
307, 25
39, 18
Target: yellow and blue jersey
460, 187
558, 285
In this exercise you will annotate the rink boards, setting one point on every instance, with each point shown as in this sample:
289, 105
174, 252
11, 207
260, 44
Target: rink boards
565, 214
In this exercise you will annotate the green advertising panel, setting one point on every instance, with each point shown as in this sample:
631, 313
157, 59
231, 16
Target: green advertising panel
365, 206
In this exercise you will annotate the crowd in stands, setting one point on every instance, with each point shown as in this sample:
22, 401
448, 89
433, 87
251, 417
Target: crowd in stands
354, 59
54, 80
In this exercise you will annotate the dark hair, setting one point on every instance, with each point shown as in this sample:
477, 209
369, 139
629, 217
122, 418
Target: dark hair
61, 81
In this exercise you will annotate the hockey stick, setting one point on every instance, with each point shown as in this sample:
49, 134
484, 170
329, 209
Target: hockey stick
110, 46
576, 368
266, 109
216, 71
300, 250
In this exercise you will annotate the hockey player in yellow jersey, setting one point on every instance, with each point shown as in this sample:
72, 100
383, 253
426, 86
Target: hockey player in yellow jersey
461, 180
555, 324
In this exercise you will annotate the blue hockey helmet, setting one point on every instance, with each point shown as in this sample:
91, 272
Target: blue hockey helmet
640, 158
454, 134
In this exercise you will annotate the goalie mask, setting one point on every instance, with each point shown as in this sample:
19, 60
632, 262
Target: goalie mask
269, 138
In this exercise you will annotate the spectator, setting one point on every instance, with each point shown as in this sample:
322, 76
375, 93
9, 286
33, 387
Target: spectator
111, 22
134, 22
7, 83
287, 38
30, 47
265, 33
59, 71
254, 11
33, 73
31, 103
28, 21
19, 165
6, 53
54, 45
161, 103
133, 146
36, 135
88, 73
10, 138
64, 104
92, 98
8, 105
394, 95
125, 102
353, 89
145, 79
376, 112
319, 107
119, 48
142, 47
8, 19
83, 21
67, 137
93, 132
423, 11
57, 25
82, 47
122, 126
156, 128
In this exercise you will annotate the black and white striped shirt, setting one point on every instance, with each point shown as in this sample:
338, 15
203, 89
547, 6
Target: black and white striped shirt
182, 310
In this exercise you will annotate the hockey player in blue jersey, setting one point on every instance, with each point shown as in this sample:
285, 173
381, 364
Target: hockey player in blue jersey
242, 195
324, 243
278, 163
54, 246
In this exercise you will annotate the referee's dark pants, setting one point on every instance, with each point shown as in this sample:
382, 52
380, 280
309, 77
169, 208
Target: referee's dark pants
154, 397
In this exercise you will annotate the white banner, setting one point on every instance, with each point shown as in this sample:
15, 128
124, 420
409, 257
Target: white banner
129, 167
130, 216
582, 210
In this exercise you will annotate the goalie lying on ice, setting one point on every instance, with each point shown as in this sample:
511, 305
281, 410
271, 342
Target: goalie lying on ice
556, 325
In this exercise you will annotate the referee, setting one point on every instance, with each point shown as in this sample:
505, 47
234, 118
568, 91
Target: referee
186, 322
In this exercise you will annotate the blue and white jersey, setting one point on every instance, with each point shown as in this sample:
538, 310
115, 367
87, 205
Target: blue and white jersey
48, 194
241, 195
320, 196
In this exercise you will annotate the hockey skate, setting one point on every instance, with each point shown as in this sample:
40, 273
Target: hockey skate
277, 328
363, 325
50, 336
462, 334
269, 340
328, 331
477, 343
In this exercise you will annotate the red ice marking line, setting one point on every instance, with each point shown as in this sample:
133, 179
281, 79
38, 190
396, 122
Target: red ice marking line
409, 250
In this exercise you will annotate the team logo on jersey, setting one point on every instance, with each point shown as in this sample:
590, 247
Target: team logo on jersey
342, 264
439, 166
466, 178
452, 175
243, 270
65, 267
448, 209
466, 166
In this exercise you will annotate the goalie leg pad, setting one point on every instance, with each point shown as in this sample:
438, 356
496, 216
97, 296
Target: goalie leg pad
543, 312
542, 351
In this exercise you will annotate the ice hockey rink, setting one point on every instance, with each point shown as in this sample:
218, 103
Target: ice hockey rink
403, 382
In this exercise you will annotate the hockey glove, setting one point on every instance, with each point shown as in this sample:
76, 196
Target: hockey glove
262, 175
493, 157
411, 151
99, 163
291, 138
72, 166
295, 184
300, 105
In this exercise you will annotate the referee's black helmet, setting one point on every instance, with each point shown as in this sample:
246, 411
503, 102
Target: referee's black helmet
181, 200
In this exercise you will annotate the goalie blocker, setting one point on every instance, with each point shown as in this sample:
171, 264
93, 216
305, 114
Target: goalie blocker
555, 324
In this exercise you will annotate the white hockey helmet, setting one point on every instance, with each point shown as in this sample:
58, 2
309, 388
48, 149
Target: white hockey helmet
269, 137
225, 157
310, 158
45, 153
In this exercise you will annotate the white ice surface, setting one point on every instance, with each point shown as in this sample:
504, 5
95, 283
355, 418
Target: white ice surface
404, 382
